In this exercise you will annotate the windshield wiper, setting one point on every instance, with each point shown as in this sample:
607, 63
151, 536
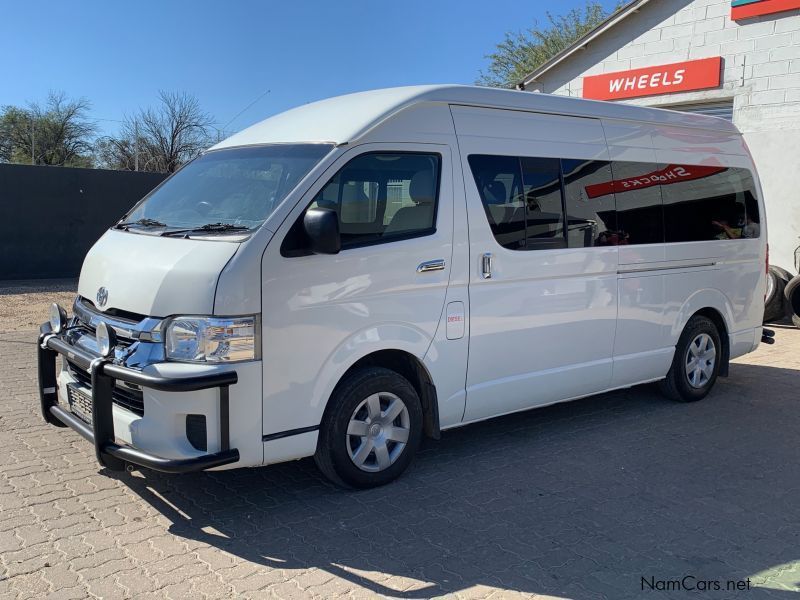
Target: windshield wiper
208, 227
220, 227
143, 222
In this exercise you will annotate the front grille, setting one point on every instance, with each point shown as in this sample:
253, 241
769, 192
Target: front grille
84, 322
127, 398
121, 315
83, 328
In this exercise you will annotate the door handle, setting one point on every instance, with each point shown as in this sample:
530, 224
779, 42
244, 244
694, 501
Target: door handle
431, 265
486, 265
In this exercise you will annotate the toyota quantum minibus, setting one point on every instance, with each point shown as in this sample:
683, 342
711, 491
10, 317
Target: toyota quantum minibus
347, 277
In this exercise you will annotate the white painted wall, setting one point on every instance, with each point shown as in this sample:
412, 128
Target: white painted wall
761, 73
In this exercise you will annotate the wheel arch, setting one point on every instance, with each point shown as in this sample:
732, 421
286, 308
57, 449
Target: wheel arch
394, 346
409, 366
716, 317
713, 304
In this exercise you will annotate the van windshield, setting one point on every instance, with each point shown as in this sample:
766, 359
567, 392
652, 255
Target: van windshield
225, 191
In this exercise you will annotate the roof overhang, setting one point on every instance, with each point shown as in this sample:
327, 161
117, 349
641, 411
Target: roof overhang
583, 41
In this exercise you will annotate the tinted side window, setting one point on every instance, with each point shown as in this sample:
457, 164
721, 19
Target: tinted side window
752, 228
640, 215
499, 182
591, 211
544, 213
381, 196
709, 203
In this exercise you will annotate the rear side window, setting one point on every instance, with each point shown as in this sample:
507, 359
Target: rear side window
544, 210
379, 197
538, 203
640, 215
499, 181
589, 200
704, 203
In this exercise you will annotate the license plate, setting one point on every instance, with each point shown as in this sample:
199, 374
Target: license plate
80, 403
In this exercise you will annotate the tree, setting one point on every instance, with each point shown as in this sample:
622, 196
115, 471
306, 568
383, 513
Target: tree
160, 138
58, 133
522, 52
120, 153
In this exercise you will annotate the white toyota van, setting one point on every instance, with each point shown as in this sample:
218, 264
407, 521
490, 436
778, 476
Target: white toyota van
347, 277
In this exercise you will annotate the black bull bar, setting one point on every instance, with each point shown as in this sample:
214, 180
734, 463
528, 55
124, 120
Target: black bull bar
101, 431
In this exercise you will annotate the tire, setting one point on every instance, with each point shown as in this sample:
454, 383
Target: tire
684, 385
775, 303
359, 406
792, 295
782, 272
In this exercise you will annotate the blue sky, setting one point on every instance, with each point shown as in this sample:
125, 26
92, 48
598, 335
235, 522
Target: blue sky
119, 54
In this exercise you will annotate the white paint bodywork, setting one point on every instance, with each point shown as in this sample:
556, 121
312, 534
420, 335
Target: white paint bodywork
156, 276
336, 309
549, 326
526, 319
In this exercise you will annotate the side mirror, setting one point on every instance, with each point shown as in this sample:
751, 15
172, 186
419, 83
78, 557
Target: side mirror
322, 227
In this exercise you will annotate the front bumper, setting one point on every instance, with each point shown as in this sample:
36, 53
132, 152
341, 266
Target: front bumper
100, 432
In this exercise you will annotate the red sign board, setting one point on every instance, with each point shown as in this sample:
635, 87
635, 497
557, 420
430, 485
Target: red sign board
667, 175
745, 9
698, 74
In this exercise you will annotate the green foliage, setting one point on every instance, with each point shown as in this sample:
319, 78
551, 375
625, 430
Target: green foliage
58, 133
522, 52
159, 138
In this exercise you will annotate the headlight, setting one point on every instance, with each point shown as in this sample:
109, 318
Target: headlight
212, 339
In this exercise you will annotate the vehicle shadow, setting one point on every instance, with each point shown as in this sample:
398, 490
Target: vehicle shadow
580, 500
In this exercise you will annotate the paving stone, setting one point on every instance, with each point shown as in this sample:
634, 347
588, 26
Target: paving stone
579, 500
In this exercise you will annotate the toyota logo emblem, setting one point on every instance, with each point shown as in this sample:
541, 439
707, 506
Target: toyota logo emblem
102, 297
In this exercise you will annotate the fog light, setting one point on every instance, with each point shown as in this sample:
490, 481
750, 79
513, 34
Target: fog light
106, 340
58, 318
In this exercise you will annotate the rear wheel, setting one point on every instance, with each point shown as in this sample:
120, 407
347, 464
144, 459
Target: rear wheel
371, 429
695, 365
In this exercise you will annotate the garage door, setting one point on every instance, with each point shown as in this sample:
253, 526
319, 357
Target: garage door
722, 109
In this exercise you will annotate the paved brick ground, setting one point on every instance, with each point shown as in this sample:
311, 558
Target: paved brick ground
578, 501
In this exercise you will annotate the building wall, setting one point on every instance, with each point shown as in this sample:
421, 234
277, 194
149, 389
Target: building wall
761, 73
51, 216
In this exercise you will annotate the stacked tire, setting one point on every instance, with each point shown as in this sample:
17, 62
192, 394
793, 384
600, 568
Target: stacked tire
791, 294
775, 304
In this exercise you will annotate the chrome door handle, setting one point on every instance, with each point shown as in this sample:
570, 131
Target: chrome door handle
431, 265
486, 265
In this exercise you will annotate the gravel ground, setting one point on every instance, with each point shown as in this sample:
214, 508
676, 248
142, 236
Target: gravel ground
26, 304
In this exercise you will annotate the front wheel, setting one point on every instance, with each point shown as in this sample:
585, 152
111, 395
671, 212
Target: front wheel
695, 365
371, 429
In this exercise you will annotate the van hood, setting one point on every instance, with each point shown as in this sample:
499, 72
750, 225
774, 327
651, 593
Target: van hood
154, 276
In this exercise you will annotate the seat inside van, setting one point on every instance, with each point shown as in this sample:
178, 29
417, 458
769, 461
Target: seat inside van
422, 191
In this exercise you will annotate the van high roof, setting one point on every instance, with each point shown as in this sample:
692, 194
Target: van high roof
343, 119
